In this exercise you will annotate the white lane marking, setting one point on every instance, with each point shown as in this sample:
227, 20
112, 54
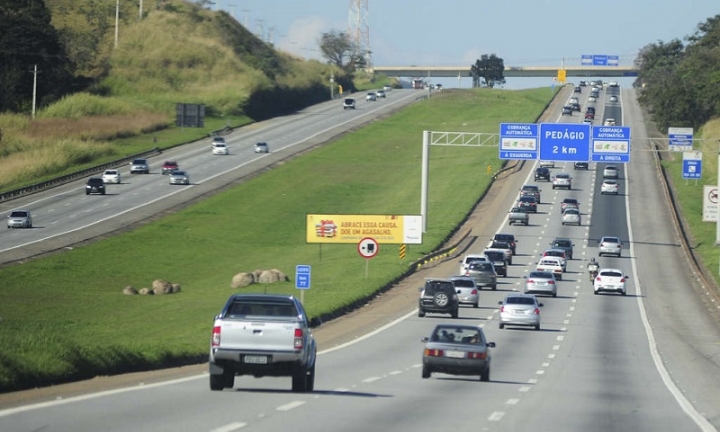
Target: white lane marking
371, 379
512, 401
540, 372
684, 403
556, 347
395, 373
560, 338
532, 381
551, 356
524, 389
289, 406
496, 416
546, 364
230, 427
572, 308
566, 321
341, 390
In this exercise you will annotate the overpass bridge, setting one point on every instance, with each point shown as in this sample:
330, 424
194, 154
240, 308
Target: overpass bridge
510, 72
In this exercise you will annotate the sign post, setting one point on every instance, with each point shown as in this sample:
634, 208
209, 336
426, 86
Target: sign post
368, 248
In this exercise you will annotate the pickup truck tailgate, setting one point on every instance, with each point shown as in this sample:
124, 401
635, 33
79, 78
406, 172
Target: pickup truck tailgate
267, 335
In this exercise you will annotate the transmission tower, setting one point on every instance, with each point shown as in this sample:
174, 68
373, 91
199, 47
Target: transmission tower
359, 29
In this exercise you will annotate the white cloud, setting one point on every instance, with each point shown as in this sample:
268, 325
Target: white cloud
303, 35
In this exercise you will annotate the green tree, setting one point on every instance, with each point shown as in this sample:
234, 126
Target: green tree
339, 50
28, 39
488, 71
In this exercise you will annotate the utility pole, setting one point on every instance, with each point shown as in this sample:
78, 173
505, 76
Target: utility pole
245, 17
35, 72
117, 19
232, 11
140, 10
260, 24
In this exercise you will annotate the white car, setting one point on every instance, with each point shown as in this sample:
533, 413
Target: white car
465, 262
609, 187
610, 280
380, 93
559, 254
372, 96
19, 219
610, 122
547, 164
262, 147
111, 176
179, 177
220, 149
613, 98
550, 264
592, 99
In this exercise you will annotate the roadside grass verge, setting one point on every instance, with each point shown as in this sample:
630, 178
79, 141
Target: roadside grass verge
689, 194
64, 317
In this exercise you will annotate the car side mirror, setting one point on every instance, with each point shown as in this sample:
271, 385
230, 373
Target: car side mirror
420, 289
540, 305
424, 339
491, 344
524, 277
458, 292
500, 302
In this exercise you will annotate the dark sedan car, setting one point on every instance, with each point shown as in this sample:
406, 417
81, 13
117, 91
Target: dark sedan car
542, 173
529, 203
457, 350
581, 166
567, 110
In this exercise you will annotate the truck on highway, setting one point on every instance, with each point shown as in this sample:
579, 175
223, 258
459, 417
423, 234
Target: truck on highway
518, 215
262, 335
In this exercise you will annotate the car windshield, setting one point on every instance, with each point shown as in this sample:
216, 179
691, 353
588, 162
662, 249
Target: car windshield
481, 266
528, 199
432, 287
111, 172
457, 335
542, 275
562, 243
464, 283
179, 173
18, 214
504, 237
571, 212
520, 300
496, 256
500, 245
610, 273
611, 240
555, 253
139, 161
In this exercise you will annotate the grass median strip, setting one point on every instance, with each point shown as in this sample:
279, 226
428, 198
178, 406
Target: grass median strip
64, 317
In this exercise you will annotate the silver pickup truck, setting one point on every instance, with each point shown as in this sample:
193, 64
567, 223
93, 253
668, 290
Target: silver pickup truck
518, 216
262, 335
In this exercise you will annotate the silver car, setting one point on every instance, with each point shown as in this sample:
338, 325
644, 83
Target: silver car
541, 282
483, 273
562, 180
609, 245
467, 290
19, 219
457, 350
520, 310
571, 216
179, 177
611, 172
262, 147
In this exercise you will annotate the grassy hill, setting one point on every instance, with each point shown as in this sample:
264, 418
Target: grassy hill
178, 52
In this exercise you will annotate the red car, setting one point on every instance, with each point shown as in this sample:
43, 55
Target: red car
169, 166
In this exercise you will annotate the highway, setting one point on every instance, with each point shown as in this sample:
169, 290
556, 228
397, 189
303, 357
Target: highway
65, 216
647, 361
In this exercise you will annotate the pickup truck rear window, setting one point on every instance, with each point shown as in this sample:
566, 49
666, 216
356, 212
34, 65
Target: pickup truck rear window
249, 308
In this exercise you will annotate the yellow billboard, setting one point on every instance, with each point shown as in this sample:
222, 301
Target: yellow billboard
386, 229
562, 75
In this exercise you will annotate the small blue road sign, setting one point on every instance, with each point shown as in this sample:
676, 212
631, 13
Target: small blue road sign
692, 165
565, 142
518, 141
680, 138
302, 277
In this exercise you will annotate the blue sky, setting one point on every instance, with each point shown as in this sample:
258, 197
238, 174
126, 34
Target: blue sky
457, 32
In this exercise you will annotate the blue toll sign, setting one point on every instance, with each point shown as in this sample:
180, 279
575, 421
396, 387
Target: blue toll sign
518, 141
610, 144
302, 277
565, 142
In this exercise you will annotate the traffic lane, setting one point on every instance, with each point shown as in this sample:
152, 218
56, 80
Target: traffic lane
680, 308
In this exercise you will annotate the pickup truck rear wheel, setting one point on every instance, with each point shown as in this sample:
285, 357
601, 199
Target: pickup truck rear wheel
300, 380
217, 382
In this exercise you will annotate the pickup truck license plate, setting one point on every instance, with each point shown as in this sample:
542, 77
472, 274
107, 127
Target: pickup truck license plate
255, 359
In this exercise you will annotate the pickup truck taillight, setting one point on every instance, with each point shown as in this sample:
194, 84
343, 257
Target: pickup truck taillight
216, 336
298, 338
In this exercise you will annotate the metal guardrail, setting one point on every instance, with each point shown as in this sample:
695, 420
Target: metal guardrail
57, 181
